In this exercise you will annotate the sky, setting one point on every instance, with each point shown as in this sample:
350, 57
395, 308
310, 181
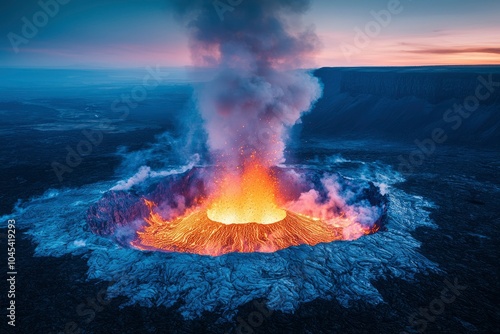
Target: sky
138, 33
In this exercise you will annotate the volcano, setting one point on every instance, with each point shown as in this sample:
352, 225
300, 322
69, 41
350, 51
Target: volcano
257, 209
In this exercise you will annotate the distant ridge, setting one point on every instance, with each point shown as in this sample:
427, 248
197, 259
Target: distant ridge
406, 103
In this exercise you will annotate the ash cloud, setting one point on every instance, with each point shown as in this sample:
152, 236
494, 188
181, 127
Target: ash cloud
257, 94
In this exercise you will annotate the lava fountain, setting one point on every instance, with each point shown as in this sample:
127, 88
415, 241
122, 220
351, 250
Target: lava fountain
246, 198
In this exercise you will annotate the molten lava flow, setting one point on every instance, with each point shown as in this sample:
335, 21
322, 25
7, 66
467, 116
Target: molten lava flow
246, 198
196, 233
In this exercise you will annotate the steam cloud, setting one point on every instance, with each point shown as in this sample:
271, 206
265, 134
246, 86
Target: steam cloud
257, 94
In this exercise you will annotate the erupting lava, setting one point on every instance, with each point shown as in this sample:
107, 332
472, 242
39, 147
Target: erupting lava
247, 198
243, 215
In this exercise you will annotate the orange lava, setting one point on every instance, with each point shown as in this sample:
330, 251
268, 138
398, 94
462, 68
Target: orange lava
246, 198
242, 216
196, 233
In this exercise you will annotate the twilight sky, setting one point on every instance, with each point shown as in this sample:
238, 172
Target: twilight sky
137, 33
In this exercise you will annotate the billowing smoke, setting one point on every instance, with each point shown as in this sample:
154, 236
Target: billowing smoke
257, 94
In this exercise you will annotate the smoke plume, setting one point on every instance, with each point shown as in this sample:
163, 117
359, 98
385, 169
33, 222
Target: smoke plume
257, 94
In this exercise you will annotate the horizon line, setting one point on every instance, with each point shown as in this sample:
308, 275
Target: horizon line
215, 68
